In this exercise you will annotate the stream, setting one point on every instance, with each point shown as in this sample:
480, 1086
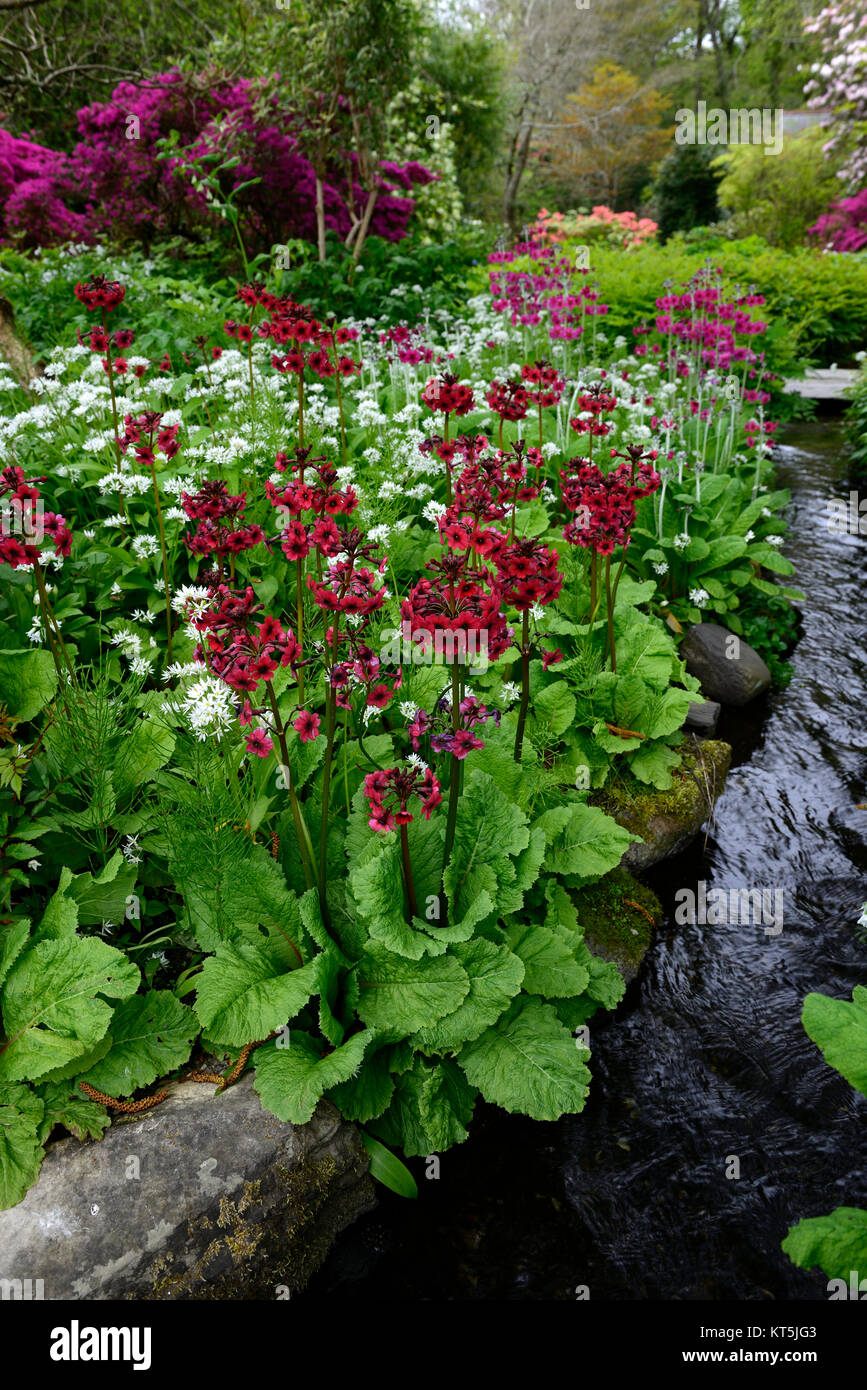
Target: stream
706, 1060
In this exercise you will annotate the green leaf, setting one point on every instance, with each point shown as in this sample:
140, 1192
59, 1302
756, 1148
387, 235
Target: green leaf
28, 680
388, 1169
291, 1080
550, 966
653, 763
400, 996
495, 976
431, 1108
151, 1035
837, 1243
52, 1009
145, 749
587, 845
368, 1093
528, 1063
839, 1028
555, 707
12, 939
21, 1151
64, 1105
243, 994
377, 887
490, 829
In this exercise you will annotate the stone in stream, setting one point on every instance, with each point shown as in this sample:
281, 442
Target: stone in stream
729, 670
702, 718
203, 1197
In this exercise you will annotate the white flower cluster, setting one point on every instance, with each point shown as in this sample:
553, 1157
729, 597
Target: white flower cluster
207, 706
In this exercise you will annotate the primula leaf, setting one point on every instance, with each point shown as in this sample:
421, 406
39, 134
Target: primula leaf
28, 680
431, 1108
400, 996
65, 1105
837, 1243
291, 1080
528, 1063
490, 829
367, 1094
653, 764
52, 1010
550, 966
495, 976
243, 994
839, 1028
586, 846
12, 939
21, 1151
151, 1034
555, 708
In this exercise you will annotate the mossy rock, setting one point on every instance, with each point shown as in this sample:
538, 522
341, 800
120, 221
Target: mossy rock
618, 915
667, 821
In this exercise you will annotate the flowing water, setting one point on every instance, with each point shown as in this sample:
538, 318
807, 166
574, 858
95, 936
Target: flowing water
706, 1061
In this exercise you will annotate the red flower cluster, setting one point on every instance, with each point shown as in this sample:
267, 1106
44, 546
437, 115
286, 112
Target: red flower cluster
457, 601
18, 498
606, 502
237, 646
597, 401
140, 431
218, 512
321, 498
508, 398
550, 385
388, 794
447, 395
527, 572
100, 293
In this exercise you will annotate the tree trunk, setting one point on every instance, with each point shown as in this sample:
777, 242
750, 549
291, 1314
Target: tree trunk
510, 193
365, 223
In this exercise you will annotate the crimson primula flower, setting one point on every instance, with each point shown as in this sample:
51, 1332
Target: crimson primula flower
389, 791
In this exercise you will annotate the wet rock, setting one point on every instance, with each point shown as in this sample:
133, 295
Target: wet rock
728, 668
702, 718
618, 915
667, 821
204, 1197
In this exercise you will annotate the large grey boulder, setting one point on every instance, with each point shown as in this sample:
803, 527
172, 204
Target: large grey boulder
727, 667
204, 1197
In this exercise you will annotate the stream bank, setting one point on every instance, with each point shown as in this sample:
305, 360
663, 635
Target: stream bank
706, 1058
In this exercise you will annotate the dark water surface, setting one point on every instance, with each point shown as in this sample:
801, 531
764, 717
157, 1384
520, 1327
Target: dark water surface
706, 1059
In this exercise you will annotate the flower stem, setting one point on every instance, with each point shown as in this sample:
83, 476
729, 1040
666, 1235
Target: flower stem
302, 834
525, 685
610, 605
330, 719
454, 784
299, 620
407, 873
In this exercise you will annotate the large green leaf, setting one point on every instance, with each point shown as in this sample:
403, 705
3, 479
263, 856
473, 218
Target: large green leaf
837, 1243
555, 707
586, 845
52, 1005
28, 680
21, 1151
367, 1094
550, 966
528, 1063
291, 1080
495, 976
151, 1034
66, 1105
431, 1108
243, 994
400, 996
839, 1028
490, 831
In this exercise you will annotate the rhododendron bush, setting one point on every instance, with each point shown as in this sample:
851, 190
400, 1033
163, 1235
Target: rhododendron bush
120, 181
320, 642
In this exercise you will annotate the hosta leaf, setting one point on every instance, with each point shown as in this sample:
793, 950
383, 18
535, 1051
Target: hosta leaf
528, 1063
839, 1028
21, 1151
291, 1080
495, 976
151, 1035
837, 1243
243, 994
51, 1007
400, 996
550, 966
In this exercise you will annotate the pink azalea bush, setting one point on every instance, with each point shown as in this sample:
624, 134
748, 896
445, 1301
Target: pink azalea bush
844, 226
131, 193
621, 229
